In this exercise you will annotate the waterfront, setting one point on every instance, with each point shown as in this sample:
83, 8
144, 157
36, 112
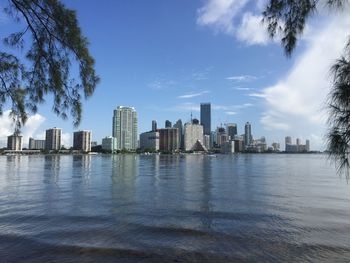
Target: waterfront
167, 208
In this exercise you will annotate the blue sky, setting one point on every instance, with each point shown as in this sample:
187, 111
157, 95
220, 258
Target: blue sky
165, 57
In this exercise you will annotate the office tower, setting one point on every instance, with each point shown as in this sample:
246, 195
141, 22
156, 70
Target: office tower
125, 127
298, 141
179, 126
221, 136
109, 144
206, 118
167, 124
14, 142
149, 141
194, 136
288, 142
36, 144
275, 146
154, 125
307, 145
247, 134
168, 139
82, 141
53, 139
231, 130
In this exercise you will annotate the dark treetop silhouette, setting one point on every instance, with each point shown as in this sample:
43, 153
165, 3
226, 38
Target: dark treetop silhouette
288, 18
56, 43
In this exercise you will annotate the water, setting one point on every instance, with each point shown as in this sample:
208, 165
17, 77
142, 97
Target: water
194, 208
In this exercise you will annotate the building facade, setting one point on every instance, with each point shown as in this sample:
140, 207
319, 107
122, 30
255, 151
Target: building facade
168, 124
154, 125
193, 133
168, 139
149, 141
14, 142
248, 134
179, 126
109, 144
82, 141
53, 139
125, 128
36, 144
231, 129
206, 118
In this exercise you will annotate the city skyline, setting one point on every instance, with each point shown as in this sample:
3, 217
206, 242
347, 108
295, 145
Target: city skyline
186, 53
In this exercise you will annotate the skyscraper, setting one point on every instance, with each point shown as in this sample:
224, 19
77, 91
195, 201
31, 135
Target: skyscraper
247, 134
167, 124
194, 136
179, 126
168, 139
231, 129
53, 139
82, 141
125, 127
206, 118
154, 125
14, 142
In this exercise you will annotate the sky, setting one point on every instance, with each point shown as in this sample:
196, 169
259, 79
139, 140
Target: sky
166, 57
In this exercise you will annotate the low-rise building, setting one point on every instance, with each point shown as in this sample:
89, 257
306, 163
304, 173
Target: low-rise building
168, 139
149, 141
109, 144
36, 144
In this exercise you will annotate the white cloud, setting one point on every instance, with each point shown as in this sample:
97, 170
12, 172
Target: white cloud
29, 130
252, 31
220, 14
242, 78
296, 101
229, 17
161, 84
231, 113
66, 140
192, 95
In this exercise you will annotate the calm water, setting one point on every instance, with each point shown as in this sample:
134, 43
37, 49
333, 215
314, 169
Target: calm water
126, 208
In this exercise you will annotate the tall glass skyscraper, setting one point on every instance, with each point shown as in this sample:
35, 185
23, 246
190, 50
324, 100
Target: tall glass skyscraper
125, 127
206, 118
247, 134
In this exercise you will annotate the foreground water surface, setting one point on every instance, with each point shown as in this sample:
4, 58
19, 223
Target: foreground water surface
193, 208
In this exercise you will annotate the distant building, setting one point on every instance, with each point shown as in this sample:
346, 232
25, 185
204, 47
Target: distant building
125, 128
82, 141
109, 144
298, 147
168, 124
247, 134
179, 126
275, 147
258, 145
206, 118
168, 139
154, 125
239, 143
221, 136
94, 144
193, 134
36, 144
231, 129
206, 139
149, 141
53, 139
228, 147
14, 142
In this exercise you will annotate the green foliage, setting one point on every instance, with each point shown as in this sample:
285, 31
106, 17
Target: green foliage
56, 44
288, 18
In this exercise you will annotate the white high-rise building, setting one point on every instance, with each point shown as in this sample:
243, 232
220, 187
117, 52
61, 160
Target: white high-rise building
193, 135
53, 139
125, 128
